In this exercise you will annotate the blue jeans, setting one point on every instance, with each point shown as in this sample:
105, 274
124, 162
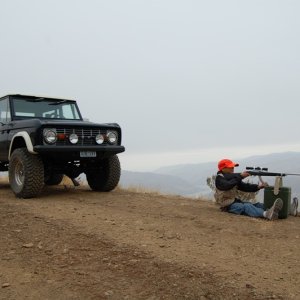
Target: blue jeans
238, 207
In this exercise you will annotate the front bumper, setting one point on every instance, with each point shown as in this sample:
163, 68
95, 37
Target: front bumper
43, 149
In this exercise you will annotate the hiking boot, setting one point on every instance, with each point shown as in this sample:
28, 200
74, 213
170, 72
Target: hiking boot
294, 207
272, 213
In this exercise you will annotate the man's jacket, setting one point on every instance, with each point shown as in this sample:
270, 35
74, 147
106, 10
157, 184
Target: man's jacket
228, 186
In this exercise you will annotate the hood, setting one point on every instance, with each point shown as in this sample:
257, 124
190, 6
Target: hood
64, 123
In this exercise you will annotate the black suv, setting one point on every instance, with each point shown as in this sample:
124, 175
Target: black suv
42, 139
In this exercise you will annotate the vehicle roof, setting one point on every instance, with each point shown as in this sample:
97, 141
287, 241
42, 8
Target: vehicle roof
35, 96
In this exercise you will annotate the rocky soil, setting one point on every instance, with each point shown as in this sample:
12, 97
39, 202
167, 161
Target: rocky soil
77, 244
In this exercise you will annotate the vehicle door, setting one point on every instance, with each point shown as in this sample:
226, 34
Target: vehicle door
5, 119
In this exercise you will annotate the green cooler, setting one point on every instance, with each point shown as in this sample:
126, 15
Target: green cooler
284, 195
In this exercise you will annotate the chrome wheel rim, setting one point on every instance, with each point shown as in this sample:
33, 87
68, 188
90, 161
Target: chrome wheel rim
19, 174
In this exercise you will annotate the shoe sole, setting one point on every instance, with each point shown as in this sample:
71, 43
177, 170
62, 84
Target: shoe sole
276, 207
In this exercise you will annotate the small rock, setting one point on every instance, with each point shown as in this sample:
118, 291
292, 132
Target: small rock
5, 285
134, 261
50, 281
108, 293
29, 245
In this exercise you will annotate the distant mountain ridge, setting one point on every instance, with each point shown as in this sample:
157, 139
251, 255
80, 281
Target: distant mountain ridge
190, 179
168, 184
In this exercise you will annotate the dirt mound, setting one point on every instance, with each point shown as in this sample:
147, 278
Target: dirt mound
78, 244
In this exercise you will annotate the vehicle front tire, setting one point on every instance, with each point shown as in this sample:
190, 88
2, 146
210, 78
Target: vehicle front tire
107, 177
26, 173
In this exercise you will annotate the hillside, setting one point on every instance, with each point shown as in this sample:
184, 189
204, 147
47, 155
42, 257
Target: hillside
72, 243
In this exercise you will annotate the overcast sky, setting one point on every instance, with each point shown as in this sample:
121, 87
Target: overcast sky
188, 81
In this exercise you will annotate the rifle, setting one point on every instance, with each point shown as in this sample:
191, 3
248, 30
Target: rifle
258, 171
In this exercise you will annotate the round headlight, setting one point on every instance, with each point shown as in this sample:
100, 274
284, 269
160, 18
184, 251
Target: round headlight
112, 137
73, 138
99, 139
50, 136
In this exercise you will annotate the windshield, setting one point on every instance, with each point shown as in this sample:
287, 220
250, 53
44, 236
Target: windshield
45, 109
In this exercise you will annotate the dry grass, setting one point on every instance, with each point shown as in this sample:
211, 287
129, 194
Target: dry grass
141, 190
4, 179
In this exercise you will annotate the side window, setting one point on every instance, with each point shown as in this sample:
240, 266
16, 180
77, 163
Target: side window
4, 111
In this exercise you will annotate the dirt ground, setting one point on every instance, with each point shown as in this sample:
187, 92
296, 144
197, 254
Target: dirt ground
77, 244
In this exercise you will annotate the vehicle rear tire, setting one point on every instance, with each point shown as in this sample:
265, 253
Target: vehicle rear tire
26, 173
54, 179
107, 177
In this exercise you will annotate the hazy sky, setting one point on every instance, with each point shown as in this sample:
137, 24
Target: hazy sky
188, 81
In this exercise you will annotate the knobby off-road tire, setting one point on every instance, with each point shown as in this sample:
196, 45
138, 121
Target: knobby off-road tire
107, 177
26, 173
54, 179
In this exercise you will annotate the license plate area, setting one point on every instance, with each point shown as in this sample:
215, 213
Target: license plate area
88, 154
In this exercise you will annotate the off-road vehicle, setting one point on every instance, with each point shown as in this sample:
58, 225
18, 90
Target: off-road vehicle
42, 139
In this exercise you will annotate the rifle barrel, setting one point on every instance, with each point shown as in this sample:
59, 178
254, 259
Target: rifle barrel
293, 174
262, 173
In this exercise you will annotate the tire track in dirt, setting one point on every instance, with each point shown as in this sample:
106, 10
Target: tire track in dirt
53, 260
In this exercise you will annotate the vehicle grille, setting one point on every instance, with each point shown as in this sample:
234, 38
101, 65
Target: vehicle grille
86, 136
